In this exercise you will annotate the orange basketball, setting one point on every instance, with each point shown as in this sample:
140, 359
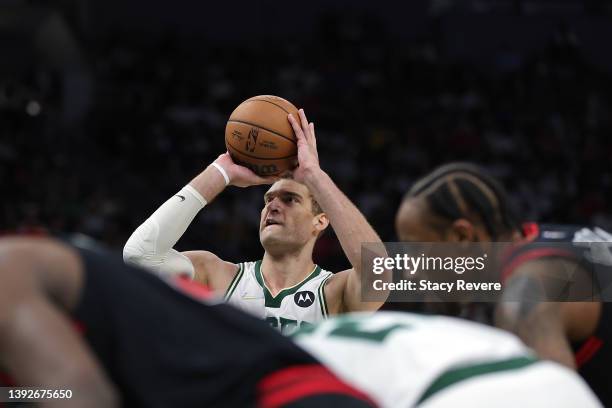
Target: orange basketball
259, 136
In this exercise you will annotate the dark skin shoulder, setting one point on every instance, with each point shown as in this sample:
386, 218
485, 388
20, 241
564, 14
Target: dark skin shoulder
41, 281
547, 326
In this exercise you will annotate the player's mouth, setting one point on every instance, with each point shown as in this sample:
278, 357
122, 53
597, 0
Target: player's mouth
269, 221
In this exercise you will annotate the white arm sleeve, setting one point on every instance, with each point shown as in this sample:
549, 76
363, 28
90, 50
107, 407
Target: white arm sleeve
150, 246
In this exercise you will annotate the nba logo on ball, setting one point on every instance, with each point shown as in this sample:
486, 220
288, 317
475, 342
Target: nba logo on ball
258, 135
252, 139
304, 298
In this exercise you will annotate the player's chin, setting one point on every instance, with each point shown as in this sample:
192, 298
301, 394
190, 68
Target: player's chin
266, 236
272, 236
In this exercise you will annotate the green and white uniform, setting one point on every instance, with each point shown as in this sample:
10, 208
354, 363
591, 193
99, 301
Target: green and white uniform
298, 306
407, 360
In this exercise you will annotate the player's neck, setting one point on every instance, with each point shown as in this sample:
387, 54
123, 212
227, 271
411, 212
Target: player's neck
280, 272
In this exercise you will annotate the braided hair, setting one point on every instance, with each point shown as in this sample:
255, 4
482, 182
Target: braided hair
458, 190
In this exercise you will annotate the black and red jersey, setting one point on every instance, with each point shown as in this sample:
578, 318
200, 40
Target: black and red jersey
591, 248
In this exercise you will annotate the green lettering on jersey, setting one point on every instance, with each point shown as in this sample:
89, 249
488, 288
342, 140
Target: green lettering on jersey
287, 326
353, 328
272, 321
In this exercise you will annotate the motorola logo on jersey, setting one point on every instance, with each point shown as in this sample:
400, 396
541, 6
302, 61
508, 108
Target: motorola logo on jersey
304, 298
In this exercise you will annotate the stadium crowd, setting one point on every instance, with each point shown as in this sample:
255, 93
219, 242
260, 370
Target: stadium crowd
386, 112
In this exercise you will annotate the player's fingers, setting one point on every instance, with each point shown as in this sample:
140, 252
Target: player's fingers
230, 160
312, 133
304, 123
297, 129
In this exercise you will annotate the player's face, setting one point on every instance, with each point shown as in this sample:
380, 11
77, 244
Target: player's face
416, 223
287, 215
412, 223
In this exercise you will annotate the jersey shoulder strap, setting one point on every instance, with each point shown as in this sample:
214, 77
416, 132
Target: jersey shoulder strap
243, 268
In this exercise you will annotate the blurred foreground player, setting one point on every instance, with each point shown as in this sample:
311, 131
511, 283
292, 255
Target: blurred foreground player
459, 202
285, 288
142, 343
409, 360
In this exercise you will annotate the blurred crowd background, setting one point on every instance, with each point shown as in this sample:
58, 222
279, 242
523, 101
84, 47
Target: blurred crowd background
107, 109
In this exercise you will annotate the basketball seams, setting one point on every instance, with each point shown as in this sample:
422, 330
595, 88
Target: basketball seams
258, 158
266, 100
260, 127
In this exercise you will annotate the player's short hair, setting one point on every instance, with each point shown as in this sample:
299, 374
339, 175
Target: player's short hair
316, 208
456, 190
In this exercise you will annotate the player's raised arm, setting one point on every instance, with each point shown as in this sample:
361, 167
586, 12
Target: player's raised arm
151, 244
351, 227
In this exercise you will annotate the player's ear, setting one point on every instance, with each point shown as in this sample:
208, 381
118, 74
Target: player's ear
320, 222
462, 230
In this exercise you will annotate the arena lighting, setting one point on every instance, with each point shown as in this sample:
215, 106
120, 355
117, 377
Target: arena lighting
41, 34
33, 108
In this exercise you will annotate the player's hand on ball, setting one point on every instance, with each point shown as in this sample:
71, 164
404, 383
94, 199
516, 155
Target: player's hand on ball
308, 157
241, 176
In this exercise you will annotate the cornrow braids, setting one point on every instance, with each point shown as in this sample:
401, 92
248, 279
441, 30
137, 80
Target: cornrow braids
456, 190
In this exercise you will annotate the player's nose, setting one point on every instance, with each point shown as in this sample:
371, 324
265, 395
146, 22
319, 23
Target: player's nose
274, 205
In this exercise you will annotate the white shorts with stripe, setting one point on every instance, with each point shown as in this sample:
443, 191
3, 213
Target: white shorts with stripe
408, 360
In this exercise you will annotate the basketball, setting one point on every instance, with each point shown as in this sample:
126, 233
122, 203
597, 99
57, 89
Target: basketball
258, 135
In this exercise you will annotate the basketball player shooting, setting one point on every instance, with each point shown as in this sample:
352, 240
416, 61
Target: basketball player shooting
285, 288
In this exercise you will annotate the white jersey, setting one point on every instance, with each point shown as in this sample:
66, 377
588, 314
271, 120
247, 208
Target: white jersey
404, 360
300, 305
